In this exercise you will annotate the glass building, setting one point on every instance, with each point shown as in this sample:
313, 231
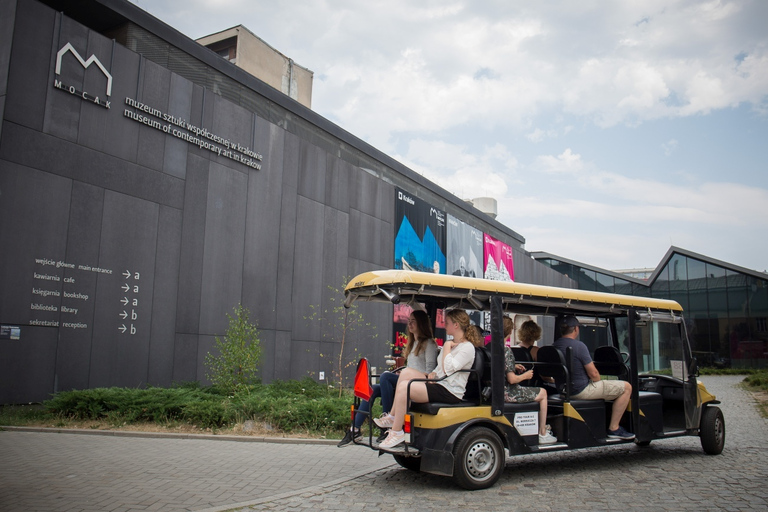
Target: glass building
726, 306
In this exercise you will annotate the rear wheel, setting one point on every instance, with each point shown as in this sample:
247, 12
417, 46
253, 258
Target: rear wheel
712, 430
411, 463
643, 443
478, 459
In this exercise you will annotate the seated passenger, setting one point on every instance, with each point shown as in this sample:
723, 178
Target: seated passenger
585, 379
530, 332
421, 355
515, 393
457, 354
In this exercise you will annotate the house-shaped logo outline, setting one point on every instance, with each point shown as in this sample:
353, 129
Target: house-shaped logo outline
85, 63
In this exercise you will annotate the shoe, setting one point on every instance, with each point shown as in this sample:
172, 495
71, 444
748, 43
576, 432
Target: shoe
384, 421
620, 433
352, 436
547, 438
383, 435
392, 440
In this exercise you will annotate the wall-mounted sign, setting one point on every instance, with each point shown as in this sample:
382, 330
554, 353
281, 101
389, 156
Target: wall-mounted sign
93, 98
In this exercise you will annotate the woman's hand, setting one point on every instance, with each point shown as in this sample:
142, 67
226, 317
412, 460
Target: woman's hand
432, 376
520, 368
526, 375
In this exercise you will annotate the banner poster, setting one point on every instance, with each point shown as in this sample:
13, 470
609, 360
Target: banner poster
420, 235
465, 249
498, 260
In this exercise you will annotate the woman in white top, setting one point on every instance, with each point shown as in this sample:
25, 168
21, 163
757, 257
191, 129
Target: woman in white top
456, 355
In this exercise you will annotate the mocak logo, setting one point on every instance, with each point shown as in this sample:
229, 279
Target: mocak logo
93, 98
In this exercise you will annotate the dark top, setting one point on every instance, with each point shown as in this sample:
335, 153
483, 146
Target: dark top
581, 357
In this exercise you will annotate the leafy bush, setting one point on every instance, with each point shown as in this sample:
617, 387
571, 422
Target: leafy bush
237, 363
757, 381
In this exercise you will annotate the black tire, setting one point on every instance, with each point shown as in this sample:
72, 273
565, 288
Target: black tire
712, 430
643, 443
410, 463
479, 459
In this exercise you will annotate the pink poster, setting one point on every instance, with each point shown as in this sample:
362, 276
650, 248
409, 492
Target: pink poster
498, 264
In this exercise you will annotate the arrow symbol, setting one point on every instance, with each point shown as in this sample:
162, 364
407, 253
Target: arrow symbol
126, 287
127, 274
125, 301
122, 328
123, 315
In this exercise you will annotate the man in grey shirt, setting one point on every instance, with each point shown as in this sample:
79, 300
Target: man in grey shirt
585, 379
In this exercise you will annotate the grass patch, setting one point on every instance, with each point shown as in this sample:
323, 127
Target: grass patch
293, 407
757, 383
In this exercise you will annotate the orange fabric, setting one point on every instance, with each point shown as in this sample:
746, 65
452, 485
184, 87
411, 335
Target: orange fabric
363, 387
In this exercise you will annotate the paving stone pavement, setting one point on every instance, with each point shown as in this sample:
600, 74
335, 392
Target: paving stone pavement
70, 472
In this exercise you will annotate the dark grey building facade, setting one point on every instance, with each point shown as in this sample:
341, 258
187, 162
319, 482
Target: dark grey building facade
148, 186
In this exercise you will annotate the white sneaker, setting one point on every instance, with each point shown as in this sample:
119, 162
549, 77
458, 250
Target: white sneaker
392, 440
547, 438
385, 421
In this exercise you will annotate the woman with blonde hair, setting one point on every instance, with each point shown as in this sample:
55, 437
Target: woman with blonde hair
456, 355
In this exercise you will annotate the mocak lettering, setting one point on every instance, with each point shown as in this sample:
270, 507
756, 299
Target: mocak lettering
71, 89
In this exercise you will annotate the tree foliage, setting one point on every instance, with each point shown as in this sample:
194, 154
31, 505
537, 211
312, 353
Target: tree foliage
239, 353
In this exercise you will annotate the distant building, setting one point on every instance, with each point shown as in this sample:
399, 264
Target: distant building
726, 306
246, 50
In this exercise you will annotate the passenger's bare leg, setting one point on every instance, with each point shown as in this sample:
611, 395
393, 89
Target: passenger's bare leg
418, 394
542, 399
619, 406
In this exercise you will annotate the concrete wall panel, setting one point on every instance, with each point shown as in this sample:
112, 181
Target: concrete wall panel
40, 151
62, 109
179, 105
27, 366
34, 208
109, 131
7, 21
281, 369
224, 247
164, 297
287, 235
312, 172
307, 266
262, 231
29, 66
337, 184
185, 358
192, 246
121, 329
154, 91
74, 348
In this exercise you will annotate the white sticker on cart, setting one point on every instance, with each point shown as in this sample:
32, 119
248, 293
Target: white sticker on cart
527, 423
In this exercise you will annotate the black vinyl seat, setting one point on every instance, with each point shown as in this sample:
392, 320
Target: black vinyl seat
479, 378
608, 361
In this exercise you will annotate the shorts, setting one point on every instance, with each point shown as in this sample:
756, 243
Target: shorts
439, 394
605, 389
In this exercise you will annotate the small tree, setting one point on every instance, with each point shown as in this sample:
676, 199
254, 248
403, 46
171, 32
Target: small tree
237, 364
343, 325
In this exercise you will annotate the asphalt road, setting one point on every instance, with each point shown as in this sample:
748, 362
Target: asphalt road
70, 472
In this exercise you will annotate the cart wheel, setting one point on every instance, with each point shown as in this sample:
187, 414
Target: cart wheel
410, 463
712, 430
478, 459
643, 443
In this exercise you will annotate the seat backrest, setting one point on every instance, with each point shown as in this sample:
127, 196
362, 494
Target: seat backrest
608, 361
551, 363
481, 367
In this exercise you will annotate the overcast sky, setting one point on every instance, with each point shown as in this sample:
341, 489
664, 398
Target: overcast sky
606, 130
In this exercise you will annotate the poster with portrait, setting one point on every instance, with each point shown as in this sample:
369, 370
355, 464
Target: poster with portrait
465, 249
419, 234
498, 265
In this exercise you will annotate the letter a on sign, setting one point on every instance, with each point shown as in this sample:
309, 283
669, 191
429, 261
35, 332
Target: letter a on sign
363, 380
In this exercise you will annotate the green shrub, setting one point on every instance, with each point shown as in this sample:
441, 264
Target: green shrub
237, 363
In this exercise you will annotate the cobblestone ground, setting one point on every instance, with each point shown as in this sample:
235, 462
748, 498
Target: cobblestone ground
673, 474
68, 472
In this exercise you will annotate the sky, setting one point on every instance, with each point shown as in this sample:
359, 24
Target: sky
607, 131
